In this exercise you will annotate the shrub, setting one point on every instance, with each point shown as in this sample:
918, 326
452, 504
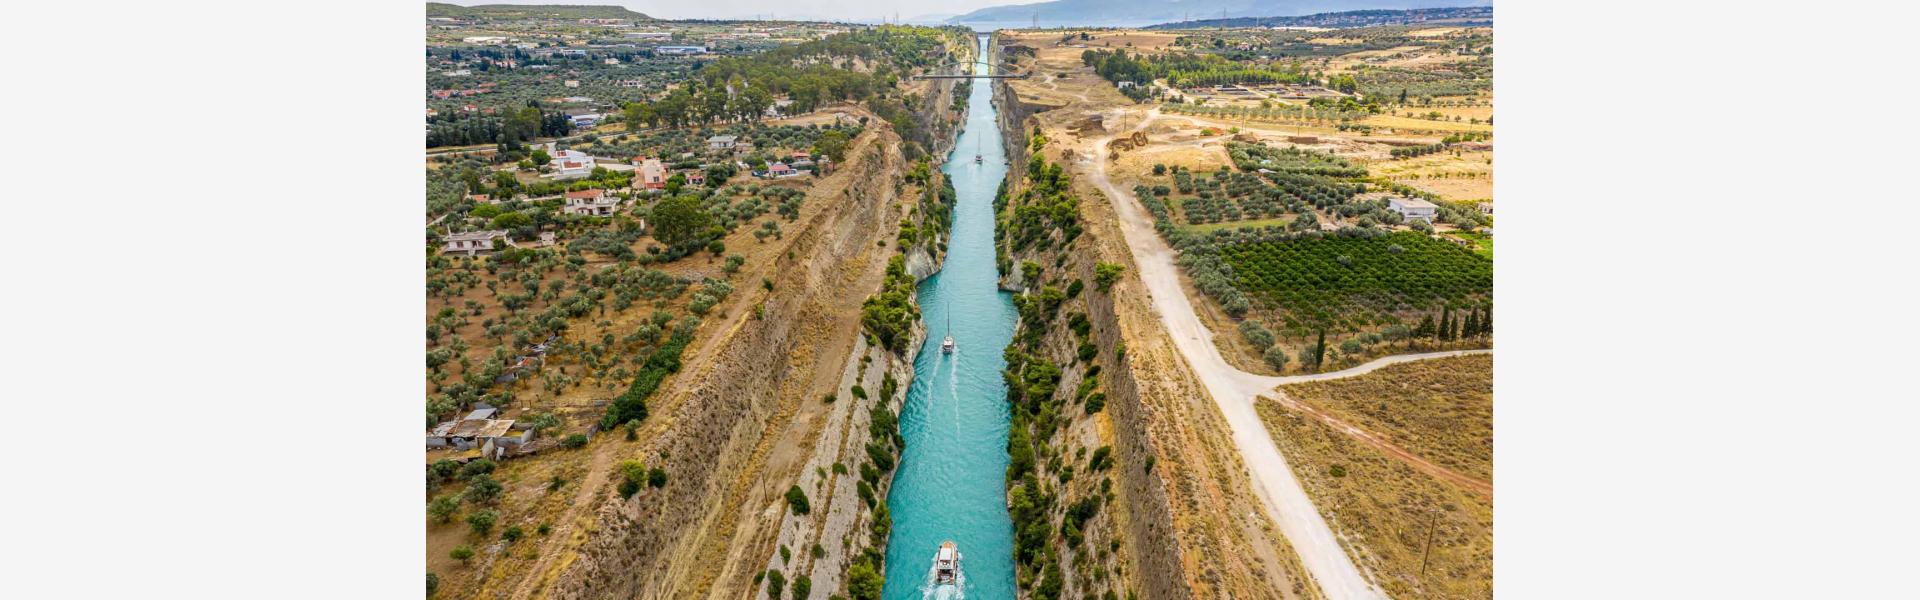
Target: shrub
574, 441
1096, 402
478, 467
1256, 334
462, 553
776, 583
1337, 470
482, 489
1102, 458
802, 586
1104, 274
797, 500
1276, 358
482, 521
443, 507
864, 582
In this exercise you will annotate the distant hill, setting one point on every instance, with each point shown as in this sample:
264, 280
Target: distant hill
1473, 15
526, 11
1135, 13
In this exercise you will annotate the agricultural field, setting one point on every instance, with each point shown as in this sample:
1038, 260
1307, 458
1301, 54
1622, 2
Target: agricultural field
1440, 409
1358, 281
1420, 536
1449, 173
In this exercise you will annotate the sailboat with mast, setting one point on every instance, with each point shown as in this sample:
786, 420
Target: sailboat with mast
946, 345
976, 150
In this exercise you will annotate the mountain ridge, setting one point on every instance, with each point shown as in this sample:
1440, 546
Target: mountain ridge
558, 11
1135, 13
1466, 15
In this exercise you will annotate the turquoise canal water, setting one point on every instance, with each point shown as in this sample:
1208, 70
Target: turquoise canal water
951, 480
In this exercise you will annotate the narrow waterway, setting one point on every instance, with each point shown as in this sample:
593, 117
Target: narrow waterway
950, 485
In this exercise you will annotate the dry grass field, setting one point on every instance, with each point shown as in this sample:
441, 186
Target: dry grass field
1394, 519
1409, 124
1463, 176
1441, 409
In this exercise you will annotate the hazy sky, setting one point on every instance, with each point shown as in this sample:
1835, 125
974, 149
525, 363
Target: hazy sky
848, 10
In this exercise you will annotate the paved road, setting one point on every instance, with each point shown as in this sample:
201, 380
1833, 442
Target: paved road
1233, 391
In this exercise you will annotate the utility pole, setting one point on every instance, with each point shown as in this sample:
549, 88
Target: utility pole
1429, 549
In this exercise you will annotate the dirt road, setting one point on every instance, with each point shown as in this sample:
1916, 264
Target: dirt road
1375, 364
1233, 391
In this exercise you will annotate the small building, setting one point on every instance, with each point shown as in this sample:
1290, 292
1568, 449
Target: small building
571, 164
680, 50
653, 175
695, 176
1486, 208
585, 120
780, 170
722, 142
1412, 209
572, 83
592, 203
488, 434
474, 243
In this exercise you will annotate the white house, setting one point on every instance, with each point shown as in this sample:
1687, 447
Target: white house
722, 142
571, 164
1412, 209
473, 243
680, 50
592, 203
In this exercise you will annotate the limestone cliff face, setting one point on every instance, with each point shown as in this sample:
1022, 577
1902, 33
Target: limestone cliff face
1186, 522
749, 418
1130, 548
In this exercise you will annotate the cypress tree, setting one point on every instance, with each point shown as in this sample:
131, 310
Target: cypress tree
1486, 324
1472, 328
1424, 329
1319, 349
1446, 324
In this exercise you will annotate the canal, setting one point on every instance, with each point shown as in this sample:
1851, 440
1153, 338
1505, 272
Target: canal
951, 481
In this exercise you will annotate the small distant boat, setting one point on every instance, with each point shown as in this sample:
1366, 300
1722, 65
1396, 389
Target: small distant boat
976, 151
946, 346
946, 564
976, 159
